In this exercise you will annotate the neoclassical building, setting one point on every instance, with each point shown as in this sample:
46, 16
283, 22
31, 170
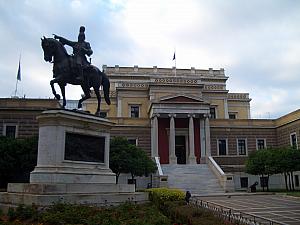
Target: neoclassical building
168, 112
178, 117
185, 116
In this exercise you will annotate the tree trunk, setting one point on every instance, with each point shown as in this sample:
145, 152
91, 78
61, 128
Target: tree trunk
117, 178
268, 182
285, 179
262, 183
290, 186
292, 177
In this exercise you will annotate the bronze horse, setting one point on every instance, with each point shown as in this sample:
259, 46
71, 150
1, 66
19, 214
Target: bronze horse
64, 73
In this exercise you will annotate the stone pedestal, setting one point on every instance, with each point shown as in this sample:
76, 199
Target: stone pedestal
73, 148
72, 164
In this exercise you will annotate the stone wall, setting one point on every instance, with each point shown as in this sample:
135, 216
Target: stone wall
143, 135
285, 126
22, 113
284, 131
249, 133
25, 121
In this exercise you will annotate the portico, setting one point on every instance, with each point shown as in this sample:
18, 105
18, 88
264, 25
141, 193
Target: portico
180, 130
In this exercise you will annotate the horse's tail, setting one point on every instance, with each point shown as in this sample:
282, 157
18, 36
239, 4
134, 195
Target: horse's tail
106, 86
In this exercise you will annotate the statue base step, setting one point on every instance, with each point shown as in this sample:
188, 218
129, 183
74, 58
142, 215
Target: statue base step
60, 188
43, 195
64, 174
97, 199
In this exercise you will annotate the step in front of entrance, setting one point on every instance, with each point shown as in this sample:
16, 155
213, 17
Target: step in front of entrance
198, 179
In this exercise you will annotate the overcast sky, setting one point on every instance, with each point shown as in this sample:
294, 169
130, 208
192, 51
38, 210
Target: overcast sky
257, 42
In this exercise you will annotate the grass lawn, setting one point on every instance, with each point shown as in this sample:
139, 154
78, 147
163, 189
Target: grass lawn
293, 193
283, 191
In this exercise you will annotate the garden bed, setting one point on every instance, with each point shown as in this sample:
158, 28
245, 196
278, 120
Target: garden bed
167, 207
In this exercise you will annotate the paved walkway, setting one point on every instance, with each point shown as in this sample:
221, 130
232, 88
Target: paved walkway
277, 208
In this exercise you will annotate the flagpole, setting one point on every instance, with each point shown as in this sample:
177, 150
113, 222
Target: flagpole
16, 89
175, 59
175, 62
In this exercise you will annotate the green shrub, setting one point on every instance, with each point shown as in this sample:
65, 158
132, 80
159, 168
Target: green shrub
127, 213
18, 159
26, 212
11, 214
61, 213
160, 195
171, 202
22, 212
181, 213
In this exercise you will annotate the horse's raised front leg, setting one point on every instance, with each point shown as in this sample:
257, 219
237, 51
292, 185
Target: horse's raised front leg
52, 82
86, 96
63, 93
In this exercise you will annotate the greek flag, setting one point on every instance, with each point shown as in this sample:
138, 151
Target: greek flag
19, 71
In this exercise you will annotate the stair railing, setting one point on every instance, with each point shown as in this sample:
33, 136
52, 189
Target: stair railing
225, 180
162, 180
160, 172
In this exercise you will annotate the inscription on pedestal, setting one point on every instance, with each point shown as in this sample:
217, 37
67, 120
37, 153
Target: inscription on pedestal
79, 147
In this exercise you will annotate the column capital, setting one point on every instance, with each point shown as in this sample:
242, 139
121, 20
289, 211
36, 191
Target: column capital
206, 115
172, 115
155, 115
191, 115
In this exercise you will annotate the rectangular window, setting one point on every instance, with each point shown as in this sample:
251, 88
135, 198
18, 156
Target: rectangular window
232, 116
10, 131
242, 147
260, 144
222, 146
132, 141
134, 111
264, 181
293, 140
212, 112
297, 180
244, 182
131, 181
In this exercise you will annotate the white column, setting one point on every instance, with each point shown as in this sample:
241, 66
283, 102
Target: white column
154, 135
207, 136
226, 116
119, 107
202, 141
192, 157
172, 156
248, 110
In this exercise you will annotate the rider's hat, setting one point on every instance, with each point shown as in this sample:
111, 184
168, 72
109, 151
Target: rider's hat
82, 29
81, 33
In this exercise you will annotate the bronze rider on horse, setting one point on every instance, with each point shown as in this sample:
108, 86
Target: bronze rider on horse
80, 49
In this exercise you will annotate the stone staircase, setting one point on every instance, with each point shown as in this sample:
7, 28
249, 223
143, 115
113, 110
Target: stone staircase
198, 179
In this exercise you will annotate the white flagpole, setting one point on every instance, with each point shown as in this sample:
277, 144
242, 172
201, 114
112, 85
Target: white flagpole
175, 62
175, 59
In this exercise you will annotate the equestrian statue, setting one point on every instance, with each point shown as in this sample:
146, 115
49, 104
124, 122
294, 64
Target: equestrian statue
74, 69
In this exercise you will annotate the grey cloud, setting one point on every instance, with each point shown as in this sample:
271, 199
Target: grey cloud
256, 41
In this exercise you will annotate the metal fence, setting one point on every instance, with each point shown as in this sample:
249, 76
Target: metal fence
233, 216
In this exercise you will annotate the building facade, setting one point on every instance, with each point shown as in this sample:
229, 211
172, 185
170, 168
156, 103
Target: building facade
18, 115
179, 116
184, 116
167, 112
